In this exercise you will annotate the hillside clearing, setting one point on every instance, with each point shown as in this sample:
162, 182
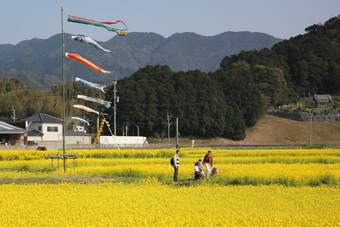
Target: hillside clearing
271, 130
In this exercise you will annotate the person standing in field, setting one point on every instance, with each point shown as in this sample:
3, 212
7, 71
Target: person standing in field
208, 162
176, 165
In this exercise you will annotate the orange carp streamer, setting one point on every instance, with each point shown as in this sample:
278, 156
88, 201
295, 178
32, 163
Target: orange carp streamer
85, 61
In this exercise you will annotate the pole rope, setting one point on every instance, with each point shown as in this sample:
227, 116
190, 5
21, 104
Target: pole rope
114, 137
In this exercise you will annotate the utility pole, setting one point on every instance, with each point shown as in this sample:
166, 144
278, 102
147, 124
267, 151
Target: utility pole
115, 105
13, 113
137, 130
169, 118
84, 118
98, 129
310, 127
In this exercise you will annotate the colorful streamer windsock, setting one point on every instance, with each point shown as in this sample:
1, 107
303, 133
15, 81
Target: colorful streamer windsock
85, 61
89, 84
92, 99
80, 119
87, 109
88, 40
107, 25
99, 133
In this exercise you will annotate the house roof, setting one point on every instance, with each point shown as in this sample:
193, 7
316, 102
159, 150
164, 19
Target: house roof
76, 133
34, 133
44, 118
6, 128
323, 98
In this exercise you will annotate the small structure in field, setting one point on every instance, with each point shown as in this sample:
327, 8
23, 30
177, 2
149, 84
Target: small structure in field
322, 101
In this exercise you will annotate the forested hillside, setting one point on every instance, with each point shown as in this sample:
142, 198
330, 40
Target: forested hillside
310, 63
28, 101
222, 103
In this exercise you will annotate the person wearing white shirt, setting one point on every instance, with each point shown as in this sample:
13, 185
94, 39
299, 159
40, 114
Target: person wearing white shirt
176, 165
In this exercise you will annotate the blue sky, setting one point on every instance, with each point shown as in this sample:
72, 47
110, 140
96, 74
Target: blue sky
23, 20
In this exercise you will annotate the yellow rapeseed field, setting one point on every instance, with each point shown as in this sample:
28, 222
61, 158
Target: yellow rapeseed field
255, 188
151, 203
297, 167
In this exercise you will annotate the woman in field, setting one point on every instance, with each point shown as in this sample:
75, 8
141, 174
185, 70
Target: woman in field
208, 162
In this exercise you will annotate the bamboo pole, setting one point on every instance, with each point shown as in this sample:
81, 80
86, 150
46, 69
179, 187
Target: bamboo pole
64, 96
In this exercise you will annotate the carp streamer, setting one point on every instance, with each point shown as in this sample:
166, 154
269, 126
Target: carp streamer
87, 109
107, 25
81, 120
85, 61
107, 104
89, 84
88, 40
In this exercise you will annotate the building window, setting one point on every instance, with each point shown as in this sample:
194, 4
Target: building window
52, 129
39, 128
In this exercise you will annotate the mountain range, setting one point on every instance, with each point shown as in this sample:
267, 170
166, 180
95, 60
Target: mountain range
38, 62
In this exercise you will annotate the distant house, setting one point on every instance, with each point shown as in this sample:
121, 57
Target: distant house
11, 135
44, 127
322, 101
77, 137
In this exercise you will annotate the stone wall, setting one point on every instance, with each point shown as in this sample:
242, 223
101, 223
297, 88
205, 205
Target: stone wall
329, 117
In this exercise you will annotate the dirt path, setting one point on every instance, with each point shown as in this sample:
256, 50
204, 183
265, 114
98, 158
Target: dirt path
57, 180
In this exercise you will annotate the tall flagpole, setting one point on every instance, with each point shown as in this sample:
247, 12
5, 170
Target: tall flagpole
64, 96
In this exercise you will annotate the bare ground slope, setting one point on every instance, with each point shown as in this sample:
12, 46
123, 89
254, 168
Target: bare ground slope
273, 130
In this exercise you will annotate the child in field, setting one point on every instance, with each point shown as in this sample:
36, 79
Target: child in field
200, 165
197, 171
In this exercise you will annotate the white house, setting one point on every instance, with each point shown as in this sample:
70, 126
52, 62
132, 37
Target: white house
47, 130
44, 128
